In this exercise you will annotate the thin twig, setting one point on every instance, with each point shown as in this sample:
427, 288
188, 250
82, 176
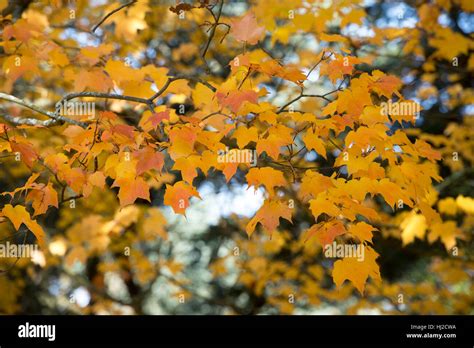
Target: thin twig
111, 13
213, 30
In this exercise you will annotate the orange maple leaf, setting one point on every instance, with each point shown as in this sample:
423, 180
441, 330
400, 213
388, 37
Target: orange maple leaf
43, 198
18, 215
178, 195
267, 177
148, 159
131, 190
269, 216
234, 99
247, 30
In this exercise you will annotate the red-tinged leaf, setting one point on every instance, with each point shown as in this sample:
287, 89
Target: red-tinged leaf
326, 232
158, 117
124, 130
26, 151
247, 30
386, 85
234, 99
178, 195
148, 158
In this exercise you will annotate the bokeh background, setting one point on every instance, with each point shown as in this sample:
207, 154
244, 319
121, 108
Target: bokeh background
137, 260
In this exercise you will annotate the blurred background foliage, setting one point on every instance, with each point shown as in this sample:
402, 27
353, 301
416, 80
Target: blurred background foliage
141, 260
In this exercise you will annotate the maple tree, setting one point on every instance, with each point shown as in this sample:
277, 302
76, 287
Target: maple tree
116, 115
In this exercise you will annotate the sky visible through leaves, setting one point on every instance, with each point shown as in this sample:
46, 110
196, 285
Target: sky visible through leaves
236, 157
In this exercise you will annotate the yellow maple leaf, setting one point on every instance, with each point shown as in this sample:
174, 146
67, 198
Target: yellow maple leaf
314, 142
356, 271
414, 225
269, 216
466, 204
267, 177
18, 215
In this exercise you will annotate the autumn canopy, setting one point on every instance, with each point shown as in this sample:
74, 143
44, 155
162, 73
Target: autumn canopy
213, 152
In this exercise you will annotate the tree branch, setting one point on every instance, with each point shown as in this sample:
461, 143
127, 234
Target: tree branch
55, 118
29, 121
52, 115
302, 95
26, 104
104, 96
